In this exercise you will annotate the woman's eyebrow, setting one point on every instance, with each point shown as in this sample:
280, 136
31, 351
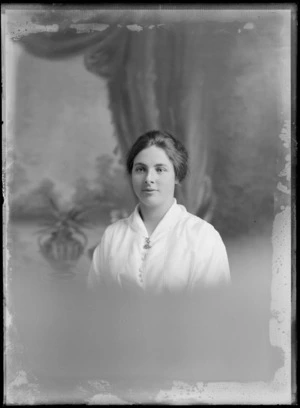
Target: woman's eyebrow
156, 165
140, 164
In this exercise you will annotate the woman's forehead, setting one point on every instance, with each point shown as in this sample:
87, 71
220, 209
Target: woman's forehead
152, 155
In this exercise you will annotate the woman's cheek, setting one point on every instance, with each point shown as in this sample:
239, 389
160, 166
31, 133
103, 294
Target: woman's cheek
135, 184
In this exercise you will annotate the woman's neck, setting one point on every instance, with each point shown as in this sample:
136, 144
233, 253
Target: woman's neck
152, 216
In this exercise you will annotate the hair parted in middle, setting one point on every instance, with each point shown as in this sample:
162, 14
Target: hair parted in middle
173, 148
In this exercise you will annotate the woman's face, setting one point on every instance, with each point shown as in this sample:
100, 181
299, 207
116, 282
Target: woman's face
153, 177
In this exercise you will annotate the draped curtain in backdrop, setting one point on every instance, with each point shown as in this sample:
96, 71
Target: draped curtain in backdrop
157, 78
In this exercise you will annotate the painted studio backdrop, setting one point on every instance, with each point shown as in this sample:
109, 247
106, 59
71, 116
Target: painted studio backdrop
79, 92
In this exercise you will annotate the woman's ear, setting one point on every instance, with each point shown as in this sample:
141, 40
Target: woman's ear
177, 181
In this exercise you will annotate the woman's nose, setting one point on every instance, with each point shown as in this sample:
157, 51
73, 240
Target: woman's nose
149, 177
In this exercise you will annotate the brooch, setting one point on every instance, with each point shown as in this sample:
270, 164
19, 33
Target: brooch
147, 244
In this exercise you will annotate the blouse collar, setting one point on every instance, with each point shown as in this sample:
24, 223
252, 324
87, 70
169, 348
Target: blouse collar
165, 223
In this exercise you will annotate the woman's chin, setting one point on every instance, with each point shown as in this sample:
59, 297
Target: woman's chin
150, 201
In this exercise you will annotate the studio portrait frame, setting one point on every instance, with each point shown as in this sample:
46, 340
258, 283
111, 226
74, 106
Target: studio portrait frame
22, 22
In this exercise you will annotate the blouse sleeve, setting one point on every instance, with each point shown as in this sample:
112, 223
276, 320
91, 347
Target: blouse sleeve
97, 268
212, 270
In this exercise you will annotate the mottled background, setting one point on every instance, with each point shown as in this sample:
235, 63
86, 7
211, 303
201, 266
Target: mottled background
74, 104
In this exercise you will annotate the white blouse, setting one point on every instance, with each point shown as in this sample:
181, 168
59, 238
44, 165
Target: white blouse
184, 253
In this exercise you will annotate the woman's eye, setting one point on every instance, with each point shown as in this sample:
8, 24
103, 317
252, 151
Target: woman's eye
160, 169
139, 169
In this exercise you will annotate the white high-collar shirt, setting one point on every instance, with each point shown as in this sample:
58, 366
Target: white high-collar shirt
186, 253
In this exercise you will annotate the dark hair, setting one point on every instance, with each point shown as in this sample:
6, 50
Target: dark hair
175, 151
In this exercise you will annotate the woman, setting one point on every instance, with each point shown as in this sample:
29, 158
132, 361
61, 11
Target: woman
160, 247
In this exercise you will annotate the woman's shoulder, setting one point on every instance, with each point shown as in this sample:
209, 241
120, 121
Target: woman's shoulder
196, 222
199, 227
117, 226
109, 234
